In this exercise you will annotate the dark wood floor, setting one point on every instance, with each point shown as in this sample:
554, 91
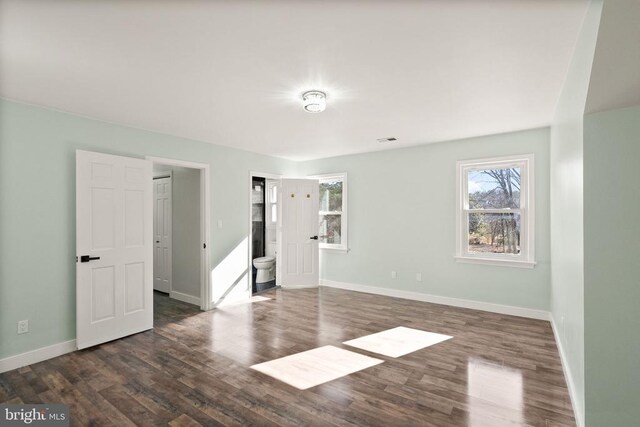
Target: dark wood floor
193, 368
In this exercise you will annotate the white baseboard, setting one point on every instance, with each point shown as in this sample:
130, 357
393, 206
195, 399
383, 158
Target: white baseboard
456, 302
185, 298
568, 376
301, 287
37, 355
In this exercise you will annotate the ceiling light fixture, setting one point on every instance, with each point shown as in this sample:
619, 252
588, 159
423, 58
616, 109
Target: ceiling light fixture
314, 101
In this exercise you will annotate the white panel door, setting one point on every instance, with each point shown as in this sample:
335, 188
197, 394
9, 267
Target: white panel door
299, 247
162, 221
114, 232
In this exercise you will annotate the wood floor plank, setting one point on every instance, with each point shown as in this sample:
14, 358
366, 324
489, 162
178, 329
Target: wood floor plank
192, 369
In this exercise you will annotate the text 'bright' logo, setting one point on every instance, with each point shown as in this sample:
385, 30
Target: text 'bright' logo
35, 415
26, 416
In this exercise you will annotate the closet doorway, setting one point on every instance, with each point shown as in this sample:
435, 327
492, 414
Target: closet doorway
180, 231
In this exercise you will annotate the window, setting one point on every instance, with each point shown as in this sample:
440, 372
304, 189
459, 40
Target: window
272, 203
333, 211
495, 211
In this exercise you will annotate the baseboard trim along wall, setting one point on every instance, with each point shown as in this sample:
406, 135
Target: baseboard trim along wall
568, 377
185, 298
455, 302
37, 355
300, 286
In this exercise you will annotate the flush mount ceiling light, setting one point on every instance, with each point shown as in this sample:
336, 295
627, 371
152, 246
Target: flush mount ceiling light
314, 101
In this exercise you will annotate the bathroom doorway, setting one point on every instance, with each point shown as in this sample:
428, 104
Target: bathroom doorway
263, 228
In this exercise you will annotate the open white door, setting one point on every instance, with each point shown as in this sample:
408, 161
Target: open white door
162, 241
114, 244
299, 245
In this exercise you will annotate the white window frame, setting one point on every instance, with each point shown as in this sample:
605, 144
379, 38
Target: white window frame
271, 201
343, 246
526, 257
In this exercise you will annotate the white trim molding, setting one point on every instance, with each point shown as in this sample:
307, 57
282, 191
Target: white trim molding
511, 310
526, 209
184, 297
38, 355
302, 286
568, 376
492, 261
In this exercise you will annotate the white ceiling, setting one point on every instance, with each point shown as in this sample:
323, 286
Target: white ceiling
615, 77
231, 72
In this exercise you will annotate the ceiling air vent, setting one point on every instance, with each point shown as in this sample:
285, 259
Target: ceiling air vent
390, 139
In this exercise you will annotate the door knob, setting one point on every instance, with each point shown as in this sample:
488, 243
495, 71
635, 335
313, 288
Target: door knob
314, 237
87, 258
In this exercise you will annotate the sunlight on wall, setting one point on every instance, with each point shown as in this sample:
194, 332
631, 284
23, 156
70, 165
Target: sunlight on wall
230, 278
490, 387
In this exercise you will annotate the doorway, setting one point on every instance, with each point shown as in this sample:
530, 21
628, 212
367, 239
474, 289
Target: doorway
162, 229
181, 231
264, 199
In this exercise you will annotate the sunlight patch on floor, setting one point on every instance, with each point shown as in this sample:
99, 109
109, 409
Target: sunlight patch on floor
313, 367
397, 342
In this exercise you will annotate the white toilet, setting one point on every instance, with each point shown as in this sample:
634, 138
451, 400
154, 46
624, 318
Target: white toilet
266, 269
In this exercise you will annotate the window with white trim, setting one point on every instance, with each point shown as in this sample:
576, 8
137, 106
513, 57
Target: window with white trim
272, 203
333, 211
496, 211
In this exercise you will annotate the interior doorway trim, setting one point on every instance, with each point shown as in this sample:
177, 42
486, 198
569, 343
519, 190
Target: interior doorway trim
205, 224
265, 175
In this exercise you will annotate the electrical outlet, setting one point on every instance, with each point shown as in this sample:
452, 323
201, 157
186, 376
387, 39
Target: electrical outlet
394, 274
418, 277
219, 223
23, 327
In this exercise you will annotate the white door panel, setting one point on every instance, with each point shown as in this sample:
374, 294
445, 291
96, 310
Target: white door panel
300, 232
162, 220
114, 295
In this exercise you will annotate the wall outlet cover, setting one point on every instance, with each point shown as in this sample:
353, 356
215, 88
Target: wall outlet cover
23, 327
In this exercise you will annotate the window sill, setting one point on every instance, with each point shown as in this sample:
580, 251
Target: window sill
344, 250
494, 261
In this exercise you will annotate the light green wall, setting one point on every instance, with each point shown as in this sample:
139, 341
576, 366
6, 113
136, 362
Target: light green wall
402, 217
612, 267
567, 259
186, 231
37, 209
